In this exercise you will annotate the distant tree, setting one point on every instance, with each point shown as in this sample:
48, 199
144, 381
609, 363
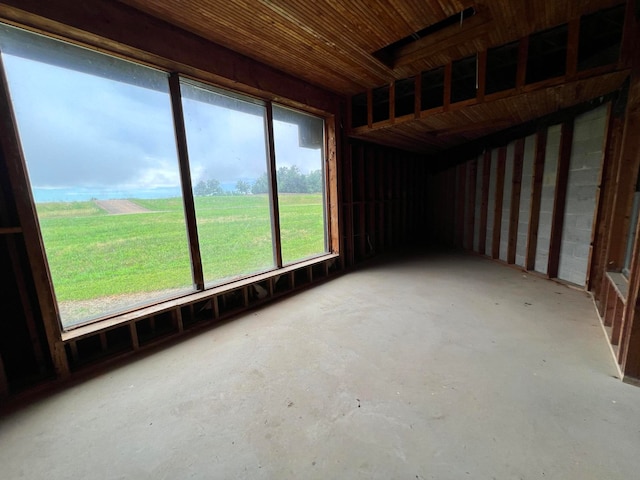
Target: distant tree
242, 187
208, 188
261, 185
291, 180
314, 181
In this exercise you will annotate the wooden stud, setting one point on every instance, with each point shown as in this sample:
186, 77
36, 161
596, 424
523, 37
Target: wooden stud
497, 212
604, 202
273, 182
332, 192
536, 196
484, 206
133, 331
185, 177
609, 298
514, 213
616, 322
460, 203
572, 47
471, 203
176, 318
523, 57
481, 72
103, 341
560, 198
18, 179
448, 79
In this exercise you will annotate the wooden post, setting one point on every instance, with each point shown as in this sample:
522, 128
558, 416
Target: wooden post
604, 198
460, 203
273, 183
185, 177
536, 195
560, 199
484, 205
497, 215
21, 190
516, 185
472, 172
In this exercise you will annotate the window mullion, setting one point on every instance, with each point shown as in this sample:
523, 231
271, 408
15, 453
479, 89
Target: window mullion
185, 177
273, 190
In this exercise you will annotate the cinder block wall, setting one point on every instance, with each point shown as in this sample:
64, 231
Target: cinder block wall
492, 222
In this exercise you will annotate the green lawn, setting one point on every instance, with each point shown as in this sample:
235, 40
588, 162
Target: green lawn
94, 255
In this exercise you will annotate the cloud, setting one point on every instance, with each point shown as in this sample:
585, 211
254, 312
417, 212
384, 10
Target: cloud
81, 130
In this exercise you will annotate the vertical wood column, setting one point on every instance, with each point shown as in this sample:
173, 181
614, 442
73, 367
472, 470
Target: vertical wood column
497, 212
472, 172
560, 199
484, 205
185, 181
536, 196
461, 171
514, 217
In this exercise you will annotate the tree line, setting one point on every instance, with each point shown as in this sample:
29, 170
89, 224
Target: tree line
290, 180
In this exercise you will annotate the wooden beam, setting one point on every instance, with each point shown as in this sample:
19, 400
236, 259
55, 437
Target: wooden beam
536, 195
332, 146
514, 212
274, 204
497, 211
560, 199
484, 205
185, 178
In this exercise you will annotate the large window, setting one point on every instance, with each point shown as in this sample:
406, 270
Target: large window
227, 154
98, 135
299, 141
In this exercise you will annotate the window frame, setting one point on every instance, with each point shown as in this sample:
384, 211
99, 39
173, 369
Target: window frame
330, 196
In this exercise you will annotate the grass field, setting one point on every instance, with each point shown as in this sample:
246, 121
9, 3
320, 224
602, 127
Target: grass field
95, 257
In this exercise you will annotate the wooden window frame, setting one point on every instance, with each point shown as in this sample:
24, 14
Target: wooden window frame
57, 335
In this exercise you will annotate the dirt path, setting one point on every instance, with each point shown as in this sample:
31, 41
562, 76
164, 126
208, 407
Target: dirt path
120, 207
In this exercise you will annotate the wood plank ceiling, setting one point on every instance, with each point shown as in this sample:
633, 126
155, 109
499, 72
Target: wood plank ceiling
331, 44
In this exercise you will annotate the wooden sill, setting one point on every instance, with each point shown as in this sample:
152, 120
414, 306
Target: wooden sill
620, 283
163, 306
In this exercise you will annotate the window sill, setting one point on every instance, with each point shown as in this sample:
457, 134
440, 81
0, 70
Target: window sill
192, 298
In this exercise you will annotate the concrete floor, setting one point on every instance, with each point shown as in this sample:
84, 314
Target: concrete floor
415, 367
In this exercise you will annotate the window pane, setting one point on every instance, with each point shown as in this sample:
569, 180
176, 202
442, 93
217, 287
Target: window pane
299, 140
98, 139
228, 159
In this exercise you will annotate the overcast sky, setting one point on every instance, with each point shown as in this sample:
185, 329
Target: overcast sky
81, 130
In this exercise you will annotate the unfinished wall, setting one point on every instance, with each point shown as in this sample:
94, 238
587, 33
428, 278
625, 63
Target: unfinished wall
525, 199
582, 186
561, 227
384, 198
